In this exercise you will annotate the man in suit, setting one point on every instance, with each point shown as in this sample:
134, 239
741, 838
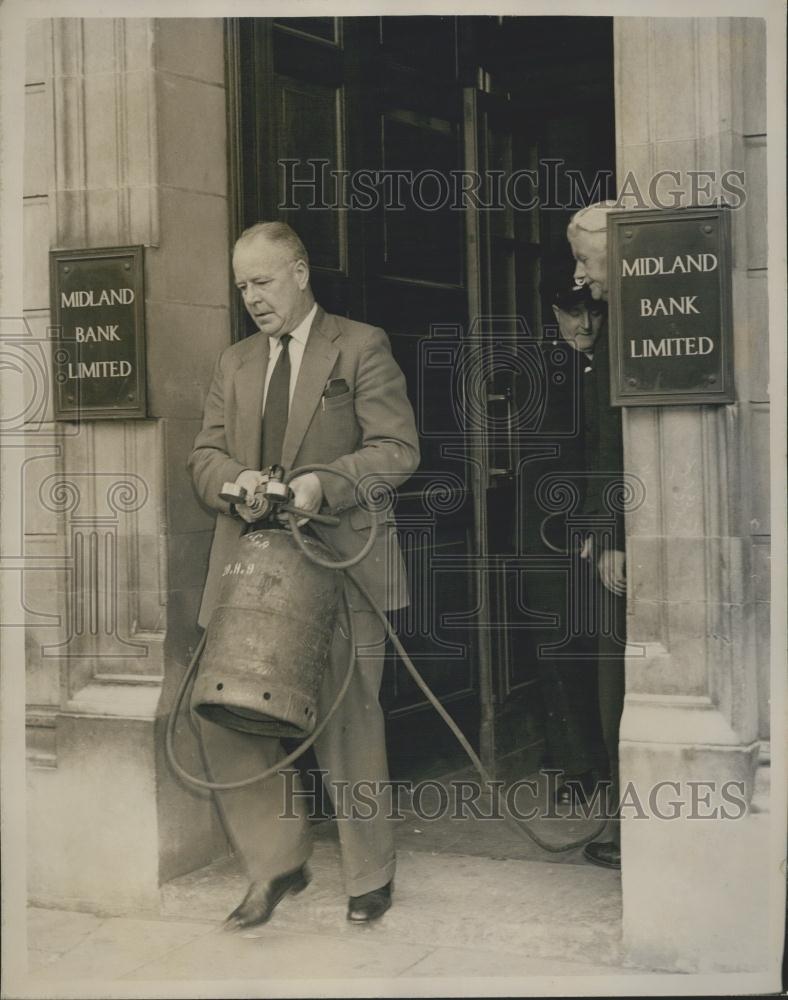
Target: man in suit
307, 388
587, 235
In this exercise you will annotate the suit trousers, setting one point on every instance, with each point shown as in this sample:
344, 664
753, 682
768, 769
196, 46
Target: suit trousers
267, 822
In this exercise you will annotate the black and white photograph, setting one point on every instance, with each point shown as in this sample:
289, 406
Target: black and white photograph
393, 480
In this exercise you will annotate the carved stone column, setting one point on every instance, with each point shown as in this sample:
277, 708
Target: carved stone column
132, 139
687, 91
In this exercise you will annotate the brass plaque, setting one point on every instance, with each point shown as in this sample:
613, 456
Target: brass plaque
670, 307
98, 350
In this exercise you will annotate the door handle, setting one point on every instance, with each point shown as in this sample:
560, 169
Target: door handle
506, 396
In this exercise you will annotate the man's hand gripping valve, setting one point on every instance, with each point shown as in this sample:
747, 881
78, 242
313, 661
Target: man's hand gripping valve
258, 496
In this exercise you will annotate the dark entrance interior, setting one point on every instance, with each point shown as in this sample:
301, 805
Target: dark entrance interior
434, 97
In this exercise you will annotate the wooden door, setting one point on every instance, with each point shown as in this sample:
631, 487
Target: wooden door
503, 281
542, 103
316, 101
316, 97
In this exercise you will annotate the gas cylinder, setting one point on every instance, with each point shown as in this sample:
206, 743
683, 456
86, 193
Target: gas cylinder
268, 640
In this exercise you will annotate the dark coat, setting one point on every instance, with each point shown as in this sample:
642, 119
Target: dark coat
604, 453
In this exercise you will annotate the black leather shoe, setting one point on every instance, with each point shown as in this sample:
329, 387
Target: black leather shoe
605, 853
263, 897
370, 906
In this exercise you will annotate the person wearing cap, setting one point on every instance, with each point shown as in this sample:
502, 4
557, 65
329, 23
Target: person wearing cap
579, 317
587, 235
567, 663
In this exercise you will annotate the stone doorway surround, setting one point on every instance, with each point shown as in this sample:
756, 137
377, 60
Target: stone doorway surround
690, 96
126, 143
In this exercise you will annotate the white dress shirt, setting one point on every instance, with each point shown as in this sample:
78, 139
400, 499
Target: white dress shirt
297, 344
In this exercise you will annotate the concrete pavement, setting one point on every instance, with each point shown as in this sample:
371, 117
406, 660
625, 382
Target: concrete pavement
490, 923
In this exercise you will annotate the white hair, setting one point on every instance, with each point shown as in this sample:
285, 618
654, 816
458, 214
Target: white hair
591, 219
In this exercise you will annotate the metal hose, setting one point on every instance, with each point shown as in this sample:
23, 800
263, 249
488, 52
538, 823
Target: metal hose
346, 566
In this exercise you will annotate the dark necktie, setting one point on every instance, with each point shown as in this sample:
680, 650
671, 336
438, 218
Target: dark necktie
277, 404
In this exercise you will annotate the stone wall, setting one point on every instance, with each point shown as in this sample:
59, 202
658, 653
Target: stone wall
125, 144
690, 95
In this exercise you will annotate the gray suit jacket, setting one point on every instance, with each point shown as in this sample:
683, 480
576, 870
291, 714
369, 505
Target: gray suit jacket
369, 432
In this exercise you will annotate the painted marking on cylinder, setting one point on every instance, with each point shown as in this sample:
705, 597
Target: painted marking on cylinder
238, 569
